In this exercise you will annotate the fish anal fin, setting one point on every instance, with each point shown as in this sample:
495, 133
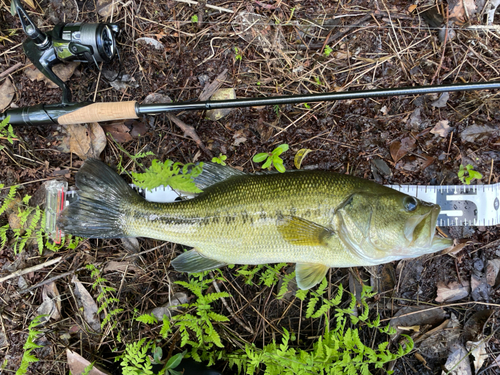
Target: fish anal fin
303, 232
192, 261
309, 274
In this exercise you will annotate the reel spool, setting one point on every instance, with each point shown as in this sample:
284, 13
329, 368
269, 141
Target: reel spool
83, 42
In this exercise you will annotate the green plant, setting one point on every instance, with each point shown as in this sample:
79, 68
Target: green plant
220, 159
6, 131
200, 323
318, 81
88, 369
194, 19
238, 55
169, 173
468, 174
327, 51
338, 351
272, 158
30, 345
269, 277
196, 330
276, 109
106, 299
307, 106
135, 158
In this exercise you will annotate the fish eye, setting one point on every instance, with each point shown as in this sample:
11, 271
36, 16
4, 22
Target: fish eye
410, 204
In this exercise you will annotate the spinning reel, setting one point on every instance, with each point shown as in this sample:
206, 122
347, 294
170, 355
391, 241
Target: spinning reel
83, 42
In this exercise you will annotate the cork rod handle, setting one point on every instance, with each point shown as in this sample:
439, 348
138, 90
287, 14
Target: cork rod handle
100, 112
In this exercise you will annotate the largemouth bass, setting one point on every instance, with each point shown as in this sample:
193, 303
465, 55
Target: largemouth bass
316, 219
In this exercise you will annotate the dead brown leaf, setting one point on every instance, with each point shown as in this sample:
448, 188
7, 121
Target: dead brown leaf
51, 305
63, 71
107, 7
458, 361
77, 364
119, 131
170, 308
453, 291
461, 10
121, 267
399, 149
493, 272
478, 351
85, 301
86, 141
437, 342
6, 93
442, 128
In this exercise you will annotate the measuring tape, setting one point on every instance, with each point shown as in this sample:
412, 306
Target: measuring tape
475, 205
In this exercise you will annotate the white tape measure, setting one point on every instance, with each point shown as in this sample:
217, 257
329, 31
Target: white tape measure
477, 205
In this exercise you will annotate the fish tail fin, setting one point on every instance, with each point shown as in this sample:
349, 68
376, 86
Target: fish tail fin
98, 211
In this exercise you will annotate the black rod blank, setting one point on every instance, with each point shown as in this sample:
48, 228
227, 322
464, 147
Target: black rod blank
146, 109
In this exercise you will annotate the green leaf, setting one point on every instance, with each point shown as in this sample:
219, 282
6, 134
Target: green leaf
268, 163
260, 157
280, 149
327, 51
279, 166
158, 354
168, 173
175, 360
475, 174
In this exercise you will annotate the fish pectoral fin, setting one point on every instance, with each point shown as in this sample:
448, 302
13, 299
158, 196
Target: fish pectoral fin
303, 232
192, 261
309, 274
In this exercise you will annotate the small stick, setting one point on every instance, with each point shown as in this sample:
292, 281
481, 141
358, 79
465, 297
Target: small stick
48, 281
29, 269
444, 47
211, 88
189, 130
191, 2
240, 322
11, 69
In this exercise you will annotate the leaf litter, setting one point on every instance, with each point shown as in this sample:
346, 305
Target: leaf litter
346, 137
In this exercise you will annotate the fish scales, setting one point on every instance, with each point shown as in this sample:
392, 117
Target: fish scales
316, 219
237, 221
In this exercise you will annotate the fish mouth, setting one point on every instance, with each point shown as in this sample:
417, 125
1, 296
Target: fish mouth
420, 229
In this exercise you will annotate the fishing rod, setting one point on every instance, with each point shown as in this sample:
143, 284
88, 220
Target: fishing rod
96, 43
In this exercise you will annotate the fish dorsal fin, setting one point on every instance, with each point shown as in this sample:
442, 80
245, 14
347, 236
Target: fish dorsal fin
303, 232
213, 173
309, 274
192, 261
